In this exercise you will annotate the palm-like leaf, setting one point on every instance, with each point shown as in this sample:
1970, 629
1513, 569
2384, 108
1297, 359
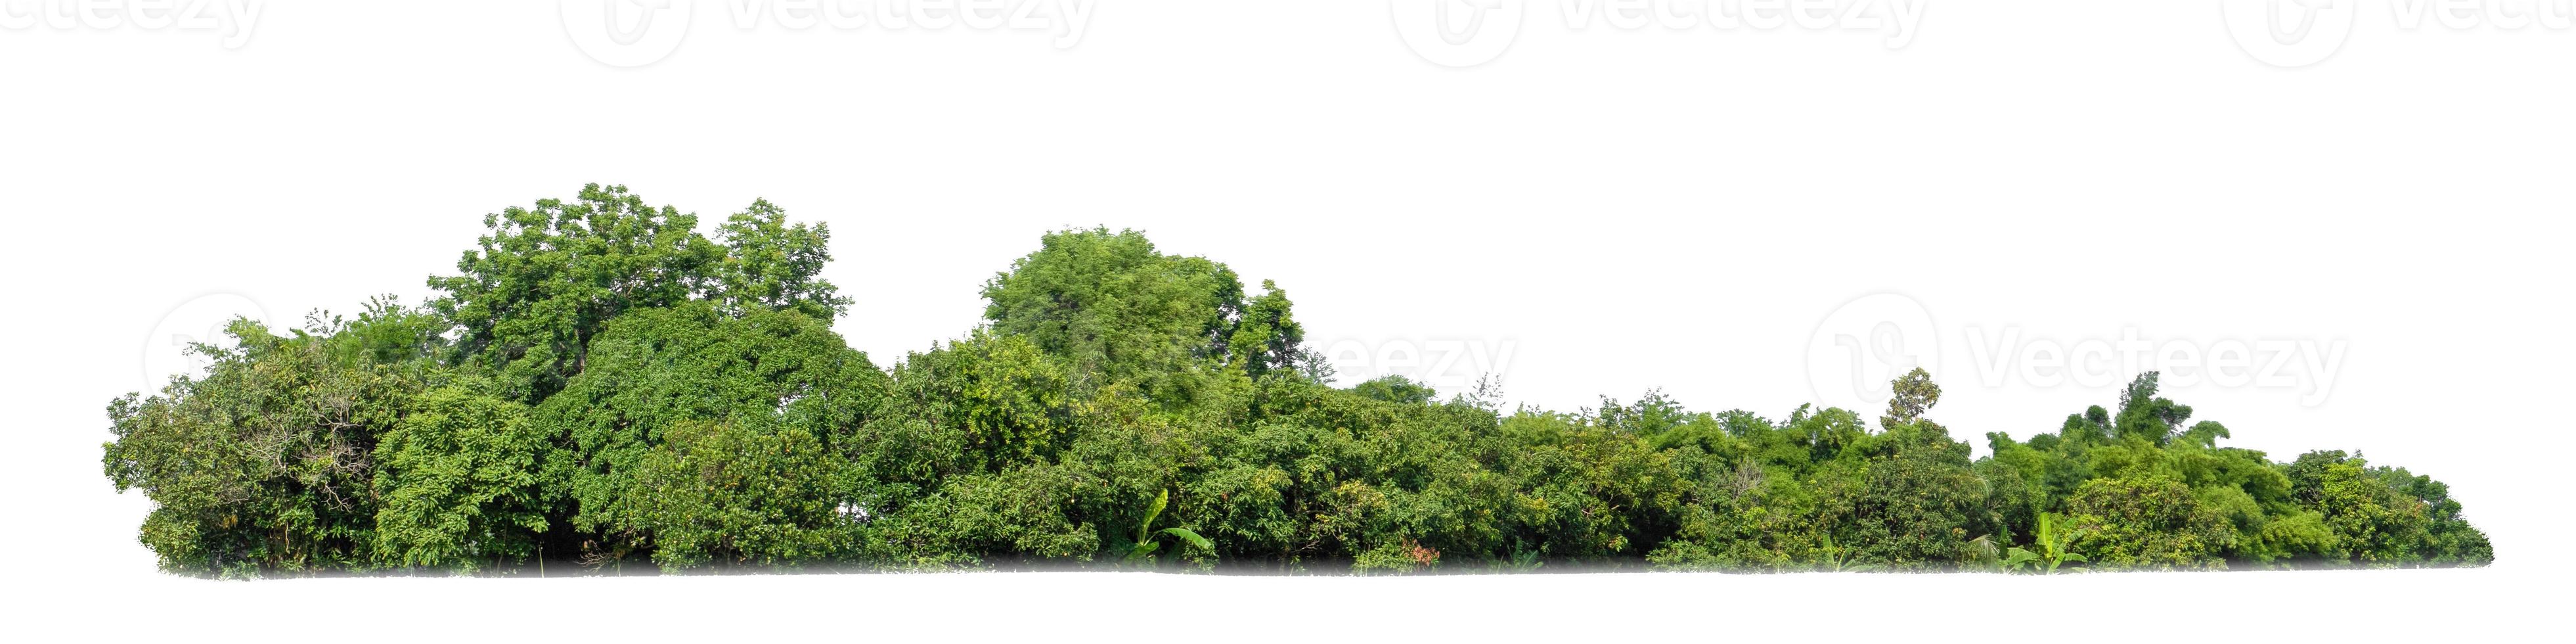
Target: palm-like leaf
1147, 545
1192, 537
2017, 558
1145, 529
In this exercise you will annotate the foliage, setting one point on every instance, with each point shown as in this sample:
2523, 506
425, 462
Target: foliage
547, 280
658, 370
458, 481
263, 465
734, 493
1119, 311
2146, 523
602, 383
1142, 547
2053, 550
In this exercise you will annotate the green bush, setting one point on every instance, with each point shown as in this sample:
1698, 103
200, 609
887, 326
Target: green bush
602, 384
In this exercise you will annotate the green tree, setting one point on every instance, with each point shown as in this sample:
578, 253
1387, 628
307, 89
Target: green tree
458, 481
1114, 306
743, 492
1266, 339
1396, 389
2147, 523
262, 465
653, 371
1120, 311
2373, 522
604, 381
770, 264
547, 280
2145, 416
1915, 393
975, 405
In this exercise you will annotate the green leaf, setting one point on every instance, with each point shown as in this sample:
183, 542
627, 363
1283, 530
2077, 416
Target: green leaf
1145, 529
1143, 550
2016, 557
1186, 535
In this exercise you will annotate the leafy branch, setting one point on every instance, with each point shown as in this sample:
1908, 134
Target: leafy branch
1146, 544
2052, 550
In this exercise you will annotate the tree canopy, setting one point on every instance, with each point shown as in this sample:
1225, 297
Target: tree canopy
604, 387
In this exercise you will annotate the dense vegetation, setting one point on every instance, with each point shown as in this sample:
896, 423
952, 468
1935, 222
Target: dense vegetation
601, 384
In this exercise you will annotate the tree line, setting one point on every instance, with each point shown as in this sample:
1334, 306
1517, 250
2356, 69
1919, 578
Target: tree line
602, 387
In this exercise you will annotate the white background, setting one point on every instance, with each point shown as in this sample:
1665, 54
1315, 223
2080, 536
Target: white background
1623, 209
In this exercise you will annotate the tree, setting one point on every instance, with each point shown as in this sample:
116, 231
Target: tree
1396, 389
1114, 306
1119, 311
2372, 522
772, 265
547, 280
654, 371
263, 465
2145, 416
2147, 523
459, 481
1904, 511
975, 405
1915, 393
2449, 539
742, 492
1267, 338
603, 381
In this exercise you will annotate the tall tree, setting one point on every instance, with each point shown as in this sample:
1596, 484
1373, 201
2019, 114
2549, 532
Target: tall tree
2145, 416
1914, 393
770, 264
545, 281
1120, 311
